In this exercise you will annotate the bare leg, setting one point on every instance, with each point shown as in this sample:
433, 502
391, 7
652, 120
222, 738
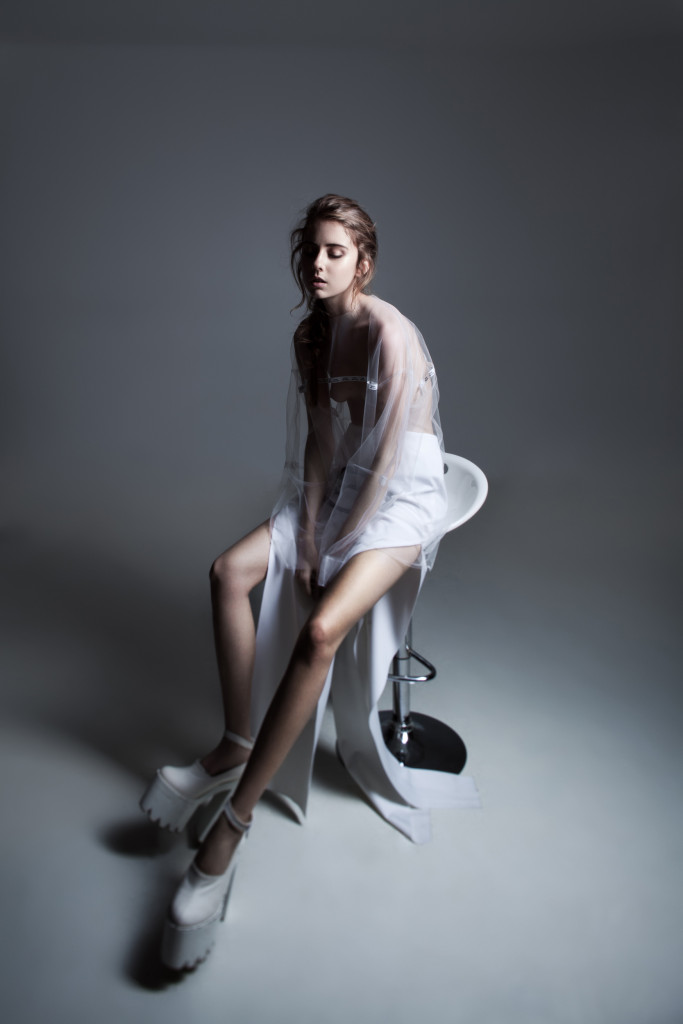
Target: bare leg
352, 593
233, 576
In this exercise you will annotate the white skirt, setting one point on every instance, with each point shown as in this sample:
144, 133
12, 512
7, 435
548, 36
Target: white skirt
413, 510
358, 674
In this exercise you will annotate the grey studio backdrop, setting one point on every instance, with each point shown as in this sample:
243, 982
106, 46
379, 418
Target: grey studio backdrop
525, 178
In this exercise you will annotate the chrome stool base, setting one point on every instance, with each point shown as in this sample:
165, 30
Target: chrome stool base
417, 740
421, 741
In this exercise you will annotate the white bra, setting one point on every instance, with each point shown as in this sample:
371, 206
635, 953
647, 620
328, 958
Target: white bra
372, 384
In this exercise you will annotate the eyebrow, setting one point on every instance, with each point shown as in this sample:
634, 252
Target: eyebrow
330, 245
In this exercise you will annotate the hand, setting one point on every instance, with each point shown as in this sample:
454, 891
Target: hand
307, 565
308, 578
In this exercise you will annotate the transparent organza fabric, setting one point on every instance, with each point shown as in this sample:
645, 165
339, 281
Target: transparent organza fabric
364, 465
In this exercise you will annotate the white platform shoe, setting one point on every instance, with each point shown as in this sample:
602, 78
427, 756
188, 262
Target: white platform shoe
198, 907
175, 794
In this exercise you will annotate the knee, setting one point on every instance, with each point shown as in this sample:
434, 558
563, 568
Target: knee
319, 639
224, 573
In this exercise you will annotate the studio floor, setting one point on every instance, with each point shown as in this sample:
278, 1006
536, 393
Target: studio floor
556, 632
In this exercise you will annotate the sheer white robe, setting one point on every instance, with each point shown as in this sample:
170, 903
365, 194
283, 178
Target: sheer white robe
363, 470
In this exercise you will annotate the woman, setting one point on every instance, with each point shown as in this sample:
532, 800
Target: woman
357, 522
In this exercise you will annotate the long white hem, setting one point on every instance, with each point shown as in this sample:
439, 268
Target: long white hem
357, 677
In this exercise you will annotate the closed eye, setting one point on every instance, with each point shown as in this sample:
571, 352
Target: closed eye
334, 252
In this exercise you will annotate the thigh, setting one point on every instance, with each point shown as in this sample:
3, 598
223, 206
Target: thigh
359, 585
247, 558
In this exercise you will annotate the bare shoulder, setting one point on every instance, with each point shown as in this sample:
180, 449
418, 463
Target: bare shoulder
383, 314
388, 324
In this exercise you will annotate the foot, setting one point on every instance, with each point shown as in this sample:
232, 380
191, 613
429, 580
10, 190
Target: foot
216, 851
227, 754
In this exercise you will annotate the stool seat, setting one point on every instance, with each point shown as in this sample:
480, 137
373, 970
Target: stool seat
417, 740
466, 489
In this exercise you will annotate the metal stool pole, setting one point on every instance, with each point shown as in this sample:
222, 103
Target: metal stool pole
417, 740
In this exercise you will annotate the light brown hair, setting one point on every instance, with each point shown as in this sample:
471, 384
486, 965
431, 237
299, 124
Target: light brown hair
360, 227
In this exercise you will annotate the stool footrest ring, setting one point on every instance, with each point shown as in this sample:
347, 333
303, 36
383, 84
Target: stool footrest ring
404, 678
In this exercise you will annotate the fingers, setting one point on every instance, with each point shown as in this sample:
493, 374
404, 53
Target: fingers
308, 578
304, 578
312, 583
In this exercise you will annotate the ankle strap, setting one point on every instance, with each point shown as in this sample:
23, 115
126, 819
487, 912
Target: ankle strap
239, 740
237, 823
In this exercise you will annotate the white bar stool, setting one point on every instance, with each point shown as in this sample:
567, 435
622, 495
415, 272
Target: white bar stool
417, 740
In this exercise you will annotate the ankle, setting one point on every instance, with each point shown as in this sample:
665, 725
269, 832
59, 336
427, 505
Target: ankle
215, 853
239, 820
227, 754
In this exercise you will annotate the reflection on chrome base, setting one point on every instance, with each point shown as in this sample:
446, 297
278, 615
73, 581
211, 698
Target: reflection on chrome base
421, 741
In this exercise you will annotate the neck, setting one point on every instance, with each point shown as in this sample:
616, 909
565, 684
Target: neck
343, 305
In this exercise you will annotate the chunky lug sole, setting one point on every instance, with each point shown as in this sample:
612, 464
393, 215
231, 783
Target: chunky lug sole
175, 794
171, 806
184, 946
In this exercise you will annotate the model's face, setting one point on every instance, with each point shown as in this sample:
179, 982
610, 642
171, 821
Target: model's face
329, 263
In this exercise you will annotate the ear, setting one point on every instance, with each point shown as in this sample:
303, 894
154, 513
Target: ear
362, 268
